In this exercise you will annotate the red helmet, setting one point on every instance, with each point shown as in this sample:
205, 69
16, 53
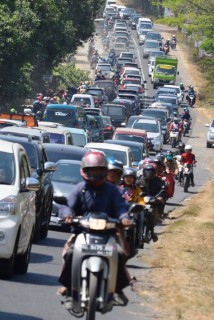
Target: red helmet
94, 159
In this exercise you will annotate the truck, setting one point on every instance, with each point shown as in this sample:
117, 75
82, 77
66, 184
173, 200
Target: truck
165, 71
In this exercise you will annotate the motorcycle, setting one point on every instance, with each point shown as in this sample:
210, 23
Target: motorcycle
173, 44
174, 137
150, 215
186, 127
166, 49
187, 175
94, 264
134, 234
191, 99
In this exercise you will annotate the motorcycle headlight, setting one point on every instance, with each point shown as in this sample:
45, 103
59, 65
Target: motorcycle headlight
7, 206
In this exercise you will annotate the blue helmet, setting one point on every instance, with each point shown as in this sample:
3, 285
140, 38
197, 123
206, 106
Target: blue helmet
115, 165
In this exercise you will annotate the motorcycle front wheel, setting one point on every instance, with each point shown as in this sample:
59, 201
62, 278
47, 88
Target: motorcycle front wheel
92, 303
173, 142
186, 183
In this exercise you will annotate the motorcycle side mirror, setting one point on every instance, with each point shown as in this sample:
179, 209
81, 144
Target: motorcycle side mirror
60, 200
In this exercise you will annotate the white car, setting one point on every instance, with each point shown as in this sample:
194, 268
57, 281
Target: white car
106, 70
117, 152
151, 68
17, 209
153, 129
210, 134
178, 91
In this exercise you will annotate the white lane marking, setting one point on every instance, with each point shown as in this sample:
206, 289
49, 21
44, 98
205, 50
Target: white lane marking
139, 58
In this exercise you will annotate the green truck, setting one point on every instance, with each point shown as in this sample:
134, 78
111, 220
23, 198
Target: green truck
165, 71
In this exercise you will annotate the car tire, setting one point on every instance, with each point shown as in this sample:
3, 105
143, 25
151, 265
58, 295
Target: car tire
7, 266
37, 231
208, 145
22, 261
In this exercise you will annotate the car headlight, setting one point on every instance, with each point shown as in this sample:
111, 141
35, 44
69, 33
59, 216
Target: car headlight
7, 206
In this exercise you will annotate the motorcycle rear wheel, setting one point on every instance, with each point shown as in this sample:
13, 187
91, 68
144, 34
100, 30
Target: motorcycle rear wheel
92, 304
173, 142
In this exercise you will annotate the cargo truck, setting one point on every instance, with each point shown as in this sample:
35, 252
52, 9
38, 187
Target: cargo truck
165, 71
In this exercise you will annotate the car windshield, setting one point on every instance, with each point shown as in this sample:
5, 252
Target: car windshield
168, 70
31, 152
129, 137
145, 26
155, 114
131, 81
168, 100
63, 116
116, 154
7, 168
127, 55
149, 44
105, 85
104, 67
135, 88
114, 111
136, 153
79, 139
67, 173
57, 138
149, 127
156, 54
155, 36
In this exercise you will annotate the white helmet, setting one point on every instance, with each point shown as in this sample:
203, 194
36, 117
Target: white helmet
188, 147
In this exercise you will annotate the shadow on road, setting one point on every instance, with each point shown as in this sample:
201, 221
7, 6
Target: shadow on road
36, 279
40, 258
13, 316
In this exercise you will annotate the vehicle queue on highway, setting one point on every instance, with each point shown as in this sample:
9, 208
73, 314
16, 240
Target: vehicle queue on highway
114, 115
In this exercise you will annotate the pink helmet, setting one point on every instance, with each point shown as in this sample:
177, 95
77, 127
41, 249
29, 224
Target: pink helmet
94, 159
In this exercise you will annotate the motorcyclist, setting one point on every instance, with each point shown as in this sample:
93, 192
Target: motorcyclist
173, 42
152, 185
186, 115
175, 125
181, 148
94, 193
189, 158
191, 92
170, 163
181, 85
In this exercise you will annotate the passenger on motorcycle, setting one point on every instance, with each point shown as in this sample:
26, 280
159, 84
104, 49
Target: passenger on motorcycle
189, 158
132, 194
115, 171
94, 193
170, 163
152, 185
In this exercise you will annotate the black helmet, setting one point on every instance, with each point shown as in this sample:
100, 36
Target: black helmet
160, 156
149, 171
181, 145
129, 172
157, 160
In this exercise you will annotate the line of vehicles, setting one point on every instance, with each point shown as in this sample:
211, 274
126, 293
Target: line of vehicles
42, 158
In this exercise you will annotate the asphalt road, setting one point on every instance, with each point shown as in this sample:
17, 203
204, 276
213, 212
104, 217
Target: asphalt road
33, 296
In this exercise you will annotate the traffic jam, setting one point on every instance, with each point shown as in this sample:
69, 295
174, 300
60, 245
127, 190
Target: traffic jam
86, 178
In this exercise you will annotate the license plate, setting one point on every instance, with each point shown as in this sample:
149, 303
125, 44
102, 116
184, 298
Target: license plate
98, 249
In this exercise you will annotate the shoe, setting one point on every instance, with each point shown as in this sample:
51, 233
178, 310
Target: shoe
154, 237
62, 291
68, 303
121, 299
193, 184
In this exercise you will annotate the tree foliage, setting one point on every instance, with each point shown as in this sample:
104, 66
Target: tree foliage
196, 17
34, 37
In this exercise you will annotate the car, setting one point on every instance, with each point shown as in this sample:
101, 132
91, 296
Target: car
117, 112
133, 97
132, 119
17, 207
127, 12
150, 45
177, 89
210, 134
35, 133
66, 176
142, 36
129, 70
120, 46
59, 135
80, 136
84, 100
120, 153
154, 132
137, 148
108, 127
130, 134
39, 166
164, 91
152, 35
169, 99
109, 87
100, 92
56, 152
106, 70
163, 116
126, 103
130, 55
8, 123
